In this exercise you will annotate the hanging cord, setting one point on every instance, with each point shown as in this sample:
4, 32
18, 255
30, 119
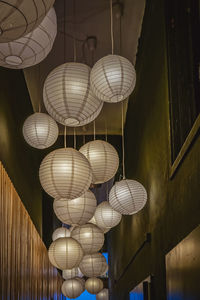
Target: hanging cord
74, 138
39, 104
106, 130
65, 137
94, 130
64, 8
123, 152
111, 26
74, 25
84, 139
107, 194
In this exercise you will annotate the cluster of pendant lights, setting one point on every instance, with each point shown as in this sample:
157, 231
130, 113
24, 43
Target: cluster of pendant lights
73, 96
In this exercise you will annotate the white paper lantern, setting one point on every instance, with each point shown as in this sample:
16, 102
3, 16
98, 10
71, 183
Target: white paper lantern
103, 158
93, 221
93, 265
106, 216
40, 130
32, 48
103, 295
20, 17
113, 78
72, 288
60, 232
65, 253
77, 211
93, 285
65, 173
68, 97
90, 237
72, 273
128, 196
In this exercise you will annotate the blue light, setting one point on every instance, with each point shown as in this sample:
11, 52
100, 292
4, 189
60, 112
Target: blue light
136, 296
84, 296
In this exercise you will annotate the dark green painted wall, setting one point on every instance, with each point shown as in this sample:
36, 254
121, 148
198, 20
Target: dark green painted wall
173, 207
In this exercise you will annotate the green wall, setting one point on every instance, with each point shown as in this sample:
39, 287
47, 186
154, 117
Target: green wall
173, 207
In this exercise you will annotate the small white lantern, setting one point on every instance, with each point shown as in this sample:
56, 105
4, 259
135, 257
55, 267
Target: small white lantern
61, 232
113, 78
106, 216
71, 273
93, 285
40, 130
65, 173
103, 295
103, 158
72, 288
93, 265
128, 196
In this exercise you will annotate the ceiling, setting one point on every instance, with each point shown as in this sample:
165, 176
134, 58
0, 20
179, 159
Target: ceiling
83, 19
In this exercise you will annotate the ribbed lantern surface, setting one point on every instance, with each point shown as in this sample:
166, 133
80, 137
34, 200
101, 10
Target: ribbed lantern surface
40, 130
18, 18
65, 173
113, 78
68, 97
103, 159
128, 196
72, 288
77, 211
93, 221
103, 295
81, 280
90, 237
71, 273
32, 48
106, 216
93, 265
60, 232
65, 253
93, 285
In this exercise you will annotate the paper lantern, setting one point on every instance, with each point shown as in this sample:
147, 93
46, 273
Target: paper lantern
32, 48
128, 196
65, 173
81, 280
93, 285
103, 295
93, 221
61, 232
20, 17
65, 253
68, 97
90, 237
106, 216
103, 159
40, 130
77, 211
72, 288
93, 265
72, 273
113, 78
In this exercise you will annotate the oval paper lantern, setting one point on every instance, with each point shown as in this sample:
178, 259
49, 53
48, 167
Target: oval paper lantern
65, 173
20, 17
60, 233
90, 237
77, 211
128, 196
93, 221
71, 273
68, 97
93, 265
32, 48
103, 295
65, 253
113, 78
106, 216
40, 130
93, 285
103, 159
72, 288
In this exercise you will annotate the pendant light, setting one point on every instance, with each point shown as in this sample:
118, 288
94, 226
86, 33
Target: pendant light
93, 265
93, 285
72, 288
106, 216
61, 232
103, 295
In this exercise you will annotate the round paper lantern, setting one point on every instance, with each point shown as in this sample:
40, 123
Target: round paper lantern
81, 280
77, 211
103, 295
72, 273
32, 48
61, 232
93, 221
93, 265
72, 288
93, 285
113, 78
20, 17
40, 130
128, 196
68, 97
65, 253
90, 237
106, 216
65, 173
103, 159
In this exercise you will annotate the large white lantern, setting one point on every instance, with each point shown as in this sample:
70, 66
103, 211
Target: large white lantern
93, 265
113, 78
93, 221
18, 18
90, 237
106, 216
40, 130
65, 253
65, 173
68, 97
61, 232
93, 285
72, 288
32, 48
72, 273
103, 159
103, 295
77, 211
128, 196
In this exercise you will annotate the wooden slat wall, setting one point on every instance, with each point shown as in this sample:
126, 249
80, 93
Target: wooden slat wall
25, 271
